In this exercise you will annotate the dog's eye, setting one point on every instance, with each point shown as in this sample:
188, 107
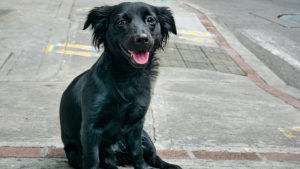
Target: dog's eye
121, 22
151, 20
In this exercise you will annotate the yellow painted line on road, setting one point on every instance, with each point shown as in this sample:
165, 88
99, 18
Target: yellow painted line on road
86, 9
198, 39
287, 133
194, 33
297, 128
246, 149
48, 48
78, 46
88, 54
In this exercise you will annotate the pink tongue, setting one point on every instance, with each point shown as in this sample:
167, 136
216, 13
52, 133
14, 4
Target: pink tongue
141, 57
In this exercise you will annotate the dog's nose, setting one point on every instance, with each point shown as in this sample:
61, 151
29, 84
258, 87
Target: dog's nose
141, 39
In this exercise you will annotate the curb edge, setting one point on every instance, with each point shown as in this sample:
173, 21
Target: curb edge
255, 77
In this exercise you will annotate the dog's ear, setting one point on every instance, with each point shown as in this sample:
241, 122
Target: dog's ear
99, 19
167, 24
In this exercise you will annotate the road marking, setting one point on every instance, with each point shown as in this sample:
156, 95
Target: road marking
286, 133
297, 128
194, 33
86, 9
78, 46
246, 149
88, 54
49, 48
198, 39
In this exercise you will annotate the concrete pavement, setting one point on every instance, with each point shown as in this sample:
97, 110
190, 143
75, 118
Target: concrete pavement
209, 107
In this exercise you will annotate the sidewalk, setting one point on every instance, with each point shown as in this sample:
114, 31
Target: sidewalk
213, 105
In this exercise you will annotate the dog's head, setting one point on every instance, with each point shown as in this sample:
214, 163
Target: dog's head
131, 30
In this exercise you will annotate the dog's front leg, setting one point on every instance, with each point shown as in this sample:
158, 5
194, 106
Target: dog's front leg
90, 139
134, 147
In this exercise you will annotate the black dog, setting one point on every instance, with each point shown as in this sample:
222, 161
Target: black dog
102, 111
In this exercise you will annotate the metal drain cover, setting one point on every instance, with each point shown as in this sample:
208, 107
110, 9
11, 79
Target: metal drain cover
294, 18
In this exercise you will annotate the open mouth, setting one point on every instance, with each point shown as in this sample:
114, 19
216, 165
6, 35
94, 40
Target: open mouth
139, 57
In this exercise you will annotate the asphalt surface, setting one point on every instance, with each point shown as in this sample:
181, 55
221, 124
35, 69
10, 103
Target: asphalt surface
277, 46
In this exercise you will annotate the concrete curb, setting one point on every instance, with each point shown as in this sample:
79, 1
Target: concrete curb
32, 152
251, 73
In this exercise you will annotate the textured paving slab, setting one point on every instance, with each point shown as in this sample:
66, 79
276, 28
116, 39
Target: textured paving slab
27, 27
8, 63
54, 163
34, 163
198, 57
29, 114
205, 110
195, 164
191, 109
3, 58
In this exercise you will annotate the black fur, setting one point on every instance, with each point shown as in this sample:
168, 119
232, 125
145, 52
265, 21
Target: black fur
102, 111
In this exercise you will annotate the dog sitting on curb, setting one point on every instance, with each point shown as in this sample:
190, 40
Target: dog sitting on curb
102, 111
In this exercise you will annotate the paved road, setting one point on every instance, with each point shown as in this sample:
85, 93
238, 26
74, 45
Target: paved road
278, 47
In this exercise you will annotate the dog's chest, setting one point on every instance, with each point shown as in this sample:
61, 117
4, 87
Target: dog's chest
127, 115
124, 108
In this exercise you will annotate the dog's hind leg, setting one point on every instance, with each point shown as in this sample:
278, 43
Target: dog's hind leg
70, 134
150, 156
74, 154
72, 145
70, 121
108, 159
